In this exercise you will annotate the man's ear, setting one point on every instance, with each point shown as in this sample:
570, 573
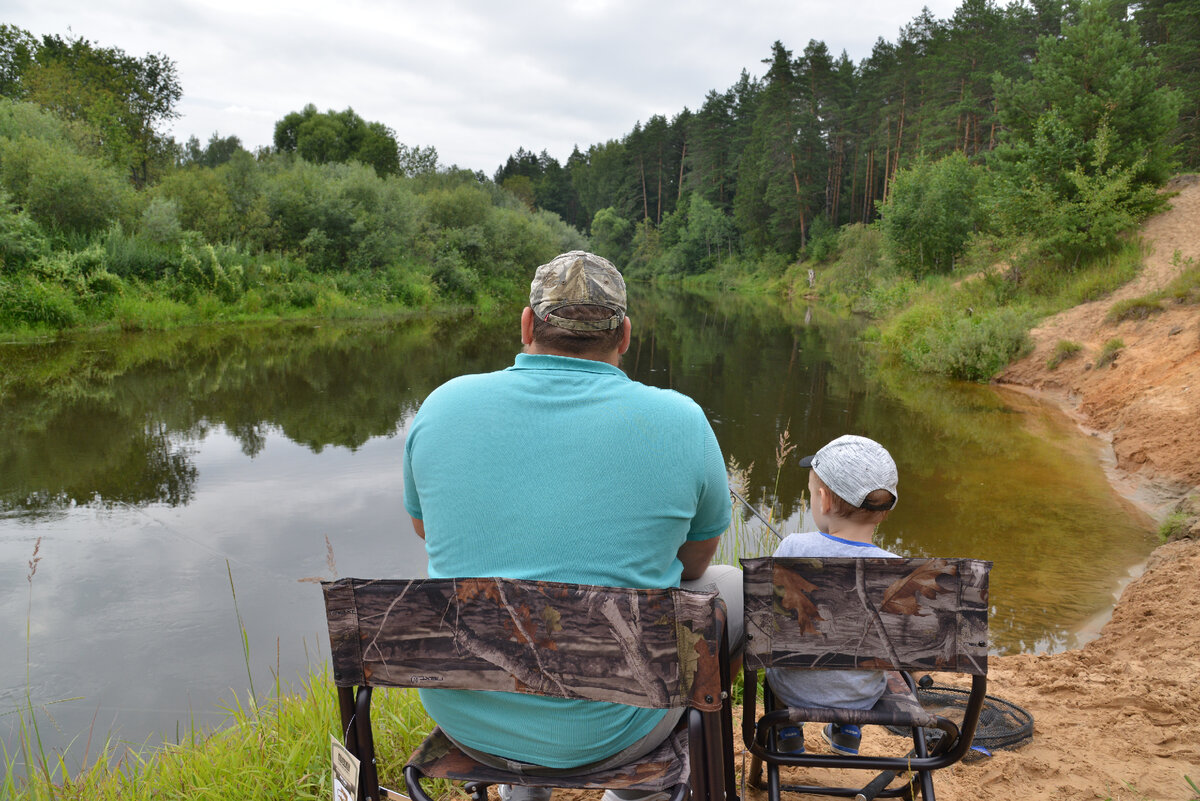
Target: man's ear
527, 326
626, 335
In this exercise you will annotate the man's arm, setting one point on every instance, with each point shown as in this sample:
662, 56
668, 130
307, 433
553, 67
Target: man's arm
696, 556
418, 526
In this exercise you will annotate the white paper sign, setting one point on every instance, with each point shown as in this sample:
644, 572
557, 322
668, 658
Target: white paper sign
345, 773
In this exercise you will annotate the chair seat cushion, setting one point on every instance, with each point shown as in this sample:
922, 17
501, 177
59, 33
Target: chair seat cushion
664, 767
898, 707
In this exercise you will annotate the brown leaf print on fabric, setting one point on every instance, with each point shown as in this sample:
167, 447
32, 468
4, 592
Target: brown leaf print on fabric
522, 627
468, 589
903, 596
793, 591
708, 666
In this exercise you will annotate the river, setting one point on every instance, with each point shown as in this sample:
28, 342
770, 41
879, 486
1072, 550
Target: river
180, 486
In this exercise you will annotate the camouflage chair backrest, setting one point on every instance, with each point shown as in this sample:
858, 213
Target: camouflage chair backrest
886, 614
647, 648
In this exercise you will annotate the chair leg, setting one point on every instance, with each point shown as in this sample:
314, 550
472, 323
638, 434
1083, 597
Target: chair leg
698, 753
714, 757
346, 706
368, 782
772, 782
926, 785
726, 745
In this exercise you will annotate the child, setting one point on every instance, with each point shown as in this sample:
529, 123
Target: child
852, 487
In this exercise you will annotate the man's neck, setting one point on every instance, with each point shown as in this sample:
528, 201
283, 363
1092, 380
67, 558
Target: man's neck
609, 357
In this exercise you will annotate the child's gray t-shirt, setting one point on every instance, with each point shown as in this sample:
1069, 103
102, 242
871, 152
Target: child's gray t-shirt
845, 689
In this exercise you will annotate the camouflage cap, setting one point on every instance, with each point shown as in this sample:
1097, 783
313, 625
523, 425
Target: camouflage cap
578, 278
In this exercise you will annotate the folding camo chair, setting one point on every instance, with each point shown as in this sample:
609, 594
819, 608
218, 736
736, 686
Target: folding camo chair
882, 614
657, 649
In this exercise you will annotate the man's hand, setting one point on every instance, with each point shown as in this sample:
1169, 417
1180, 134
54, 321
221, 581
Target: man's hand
696, 556
418, 526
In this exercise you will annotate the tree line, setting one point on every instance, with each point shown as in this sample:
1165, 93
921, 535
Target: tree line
1039, 106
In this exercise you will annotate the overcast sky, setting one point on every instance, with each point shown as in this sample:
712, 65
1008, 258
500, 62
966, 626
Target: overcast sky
474, 79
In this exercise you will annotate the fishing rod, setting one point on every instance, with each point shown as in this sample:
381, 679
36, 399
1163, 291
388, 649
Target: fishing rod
755, 512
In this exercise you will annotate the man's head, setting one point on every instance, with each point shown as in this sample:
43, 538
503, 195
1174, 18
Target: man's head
577, 307
860, 476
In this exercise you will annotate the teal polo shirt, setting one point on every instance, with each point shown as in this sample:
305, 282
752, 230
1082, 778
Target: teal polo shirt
558, 469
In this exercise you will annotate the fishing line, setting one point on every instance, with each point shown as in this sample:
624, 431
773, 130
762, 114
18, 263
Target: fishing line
755, 512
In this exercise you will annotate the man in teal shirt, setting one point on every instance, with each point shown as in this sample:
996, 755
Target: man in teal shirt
561, 468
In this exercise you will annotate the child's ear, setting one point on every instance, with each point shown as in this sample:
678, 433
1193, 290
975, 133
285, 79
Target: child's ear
825, 500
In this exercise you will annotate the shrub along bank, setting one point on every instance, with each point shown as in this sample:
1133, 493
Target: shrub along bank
265, 236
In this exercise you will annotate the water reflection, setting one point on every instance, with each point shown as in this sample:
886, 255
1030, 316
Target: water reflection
114, 419
155, 467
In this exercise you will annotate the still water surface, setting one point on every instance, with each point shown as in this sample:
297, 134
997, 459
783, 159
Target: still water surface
157, 468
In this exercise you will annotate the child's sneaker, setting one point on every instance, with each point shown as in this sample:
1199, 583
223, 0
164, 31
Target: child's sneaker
843, 739
789, 739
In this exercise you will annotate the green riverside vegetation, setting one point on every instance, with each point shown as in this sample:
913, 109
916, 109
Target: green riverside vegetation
278, 748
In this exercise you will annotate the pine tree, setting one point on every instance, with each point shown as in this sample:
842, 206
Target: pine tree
1171, 28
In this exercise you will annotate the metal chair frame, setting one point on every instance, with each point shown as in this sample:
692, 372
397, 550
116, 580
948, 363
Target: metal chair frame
940, 625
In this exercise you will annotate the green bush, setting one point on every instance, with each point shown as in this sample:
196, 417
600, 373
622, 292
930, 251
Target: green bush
104, 284
135, 313
61, 189
133, 256
453, 278
21, 239
931, 338
302, 294
160, 222
19, 119
981, 345
409, 288
857, 269
201, 271
25, 300
459, 207
889, 294
931, 212
822, 241
202, 202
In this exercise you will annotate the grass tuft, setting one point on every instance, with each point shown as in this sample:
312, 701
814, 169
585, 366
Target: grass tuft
1110, 351
1173, 527
1065, 349
1133, 309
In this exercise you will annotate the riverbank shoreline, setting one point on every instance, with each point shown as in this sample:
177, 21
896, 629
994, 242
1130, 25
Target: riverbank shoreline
1145, 403
1117, 718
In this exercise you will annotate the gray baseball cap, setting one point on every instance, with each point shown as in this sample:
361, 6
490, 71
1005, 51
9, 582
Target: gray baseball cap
854, 467
578, 278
